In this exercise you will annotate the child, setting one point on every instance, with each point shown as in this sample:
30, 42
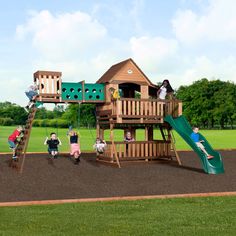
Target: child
128, 137
164, 90
114, 94
100, 146
31, 93
195, 137
12, 141
53, 143
74, 146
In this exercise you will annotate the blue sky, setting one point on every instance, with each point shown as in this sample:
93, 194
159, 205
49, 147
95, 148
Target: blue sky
179, 40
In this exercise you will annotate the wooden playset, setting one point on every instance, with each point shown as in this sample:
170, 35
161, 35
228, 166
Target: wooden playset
125, 99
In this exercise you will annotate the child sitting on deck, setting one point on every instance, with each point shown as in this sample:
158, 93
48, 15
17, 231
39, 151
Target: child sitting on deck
53, 143
196, 138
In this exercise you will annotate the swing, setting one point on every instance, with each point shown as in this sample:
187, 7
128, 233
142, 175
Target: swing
100, 147
52, 143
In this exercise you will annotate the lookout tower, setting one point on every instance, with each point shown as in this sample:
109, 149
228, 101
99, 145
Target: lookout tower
135, 107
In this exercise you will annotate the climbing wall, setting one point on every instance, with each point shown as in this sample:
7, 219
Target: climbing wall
83, 92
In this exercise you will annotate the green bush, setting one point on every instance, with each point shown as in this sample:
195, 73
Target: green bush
62, 123
41, 123
57, 123
6, 121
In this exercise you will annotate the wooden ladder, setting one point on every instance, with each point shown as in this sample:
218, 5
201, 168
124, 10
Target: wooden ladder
173, 148
167, 134
114, 151
23, 144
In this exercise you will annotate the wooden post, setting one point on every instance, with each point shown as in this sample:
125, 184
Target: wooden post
114, 151
97, 130
118, 111
146, 133
133, 133
174, 148
30, 124
83, 91
101, 134
180, 109
150, 133
144, 92
146, 139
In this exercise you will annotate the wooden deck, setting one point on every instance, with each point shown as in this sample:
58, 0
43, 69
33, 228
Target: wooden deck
135, 111
138, 150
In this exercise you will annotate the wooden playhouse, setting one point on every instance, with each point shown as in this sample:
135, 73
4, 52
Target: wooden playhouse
135, 106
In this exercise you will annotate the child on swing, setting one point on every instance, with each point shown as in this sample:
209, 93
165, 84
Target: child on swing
99, 146
53, 143
74, 146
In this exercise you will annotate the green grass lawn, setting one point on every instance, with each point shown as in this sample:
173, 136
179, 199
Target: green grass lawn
191, 216
219, 139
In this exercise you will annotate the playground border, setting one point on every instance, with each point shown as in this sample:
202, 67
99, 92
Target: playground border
88, 151
109, 199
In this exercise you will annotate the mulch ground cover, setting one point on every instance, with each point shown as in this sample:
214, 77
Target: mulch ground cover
61, 179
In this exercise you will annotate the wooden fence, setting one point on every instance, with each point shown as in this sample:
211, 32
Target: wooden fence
145, 110
137, 150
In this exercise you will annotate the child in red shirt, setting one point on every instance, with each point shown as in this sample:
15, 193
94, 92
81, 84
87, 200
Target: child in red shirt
12, 141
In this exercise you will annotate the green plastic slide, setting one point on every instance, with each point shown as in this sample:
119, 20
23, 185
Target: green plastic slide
183, 128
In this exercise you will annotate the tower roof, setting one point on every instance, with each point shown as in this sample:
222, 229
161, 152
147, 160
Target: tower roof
126, 71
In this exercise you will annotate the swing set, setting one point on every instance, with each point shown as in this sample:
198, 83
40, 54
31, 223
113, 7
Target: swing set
114, 111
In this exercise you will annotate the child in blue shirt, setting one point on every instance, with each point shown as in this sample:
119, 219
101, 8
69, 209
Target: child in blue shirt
196, 138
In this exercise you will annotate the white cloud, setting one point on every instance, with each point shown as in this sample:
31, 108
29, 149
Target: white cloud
153, 52
201, 67
83, 49
61, 36
12, 89
137, 7
74, 43
216, 23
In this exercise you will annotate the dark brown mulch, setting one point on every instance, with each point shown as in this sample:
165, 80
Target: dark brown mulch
42, 180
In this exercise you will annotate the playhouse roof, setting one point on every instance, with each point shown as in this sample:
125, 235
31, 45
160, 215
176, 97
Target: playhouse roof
126, 71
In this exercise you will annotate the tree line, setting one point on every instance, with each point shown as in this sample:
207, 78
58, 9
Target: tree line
208, 104
76, 115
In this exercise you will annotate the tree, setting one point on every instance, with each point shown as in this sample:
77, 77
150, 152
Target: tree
79, 115
14, 112
208, 103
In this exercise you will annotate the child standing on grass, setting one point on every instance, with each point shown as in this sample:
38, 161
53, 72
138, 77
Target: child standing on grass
196, 138
53, 143
12, 141
74, 146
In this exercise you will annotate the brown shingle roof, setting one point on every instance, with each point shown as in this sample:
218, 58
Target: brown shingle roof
113, 70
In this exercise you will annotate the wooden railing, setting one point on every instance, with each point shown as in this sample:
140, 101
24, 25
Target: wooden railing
138, 150
145, 109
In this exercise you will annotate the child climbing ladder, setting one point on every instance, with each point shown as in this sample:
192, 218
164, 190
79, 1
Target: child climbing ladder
13, 141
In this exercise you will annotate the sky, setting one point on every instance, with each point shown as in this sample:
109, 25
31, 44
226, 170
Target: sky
179, 40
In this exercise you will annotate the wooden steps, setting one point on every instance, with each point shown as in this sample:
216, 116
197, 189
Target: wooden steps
23, 143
